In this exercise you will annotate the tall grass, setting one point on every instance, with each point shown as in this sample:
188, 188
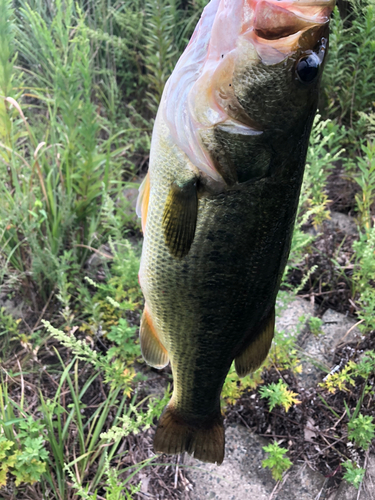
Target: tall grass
349, 74
58, 154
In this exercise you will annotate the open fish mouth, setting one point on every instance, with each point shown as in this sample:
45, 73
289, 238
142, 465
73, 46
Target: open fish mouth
279, 28
272, 20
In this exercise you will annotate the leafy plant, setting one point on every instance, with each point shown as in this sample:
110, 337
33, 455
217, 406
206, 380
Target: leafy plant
279, 394
324, 150
366, 181
115, 372
8, 325
353, 475
115, 487
315, 325
339, 380
22, 445
361, 430
364, 271
276, 461
234, 386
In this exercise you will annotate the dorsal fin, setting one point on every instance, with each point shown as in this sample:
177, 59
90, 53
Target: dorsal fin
143, 199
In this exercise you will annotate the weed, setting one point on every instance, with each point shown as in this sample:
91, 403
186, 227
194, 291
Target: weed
115, 372
22, 444
160, 54
234, 386
284, 353
366, 181
364, 272
115, 487
315, 325
348, 75
8, 325
354, 474
361, 430
322, 154
276, 460
339, 380
279, 394
54, 205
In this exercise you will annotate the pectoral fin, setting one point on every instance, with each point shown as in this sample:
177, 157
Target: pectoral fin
255, 353
180, 218
152, 349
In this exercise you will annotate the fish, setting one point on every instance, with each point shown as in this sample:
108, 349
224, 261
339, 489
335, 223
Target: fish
219, 202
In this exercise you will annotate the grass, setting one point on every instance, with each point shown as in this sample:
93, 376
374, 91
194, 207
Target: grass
80, 83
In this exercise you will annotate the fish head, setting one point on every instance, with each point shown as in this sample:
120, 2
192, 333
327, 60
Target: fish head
252, 67
278, 62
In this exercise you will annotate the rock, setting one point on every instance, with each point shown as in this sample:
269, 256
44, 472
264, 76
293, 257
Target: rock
302, 483
242, 477
319, 349
367, 492
13, 308
368, 486
288, 313
337, 328
343, 223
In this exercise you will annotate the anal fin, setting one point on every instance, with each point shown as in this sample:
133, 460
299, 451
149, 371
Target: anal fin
256, 352
152, 349
180, 218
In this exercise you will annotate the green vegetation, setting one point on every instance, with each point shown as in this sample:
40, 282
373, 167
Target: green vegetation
278, 394
361, 430
276, 460
80, 83
354, 474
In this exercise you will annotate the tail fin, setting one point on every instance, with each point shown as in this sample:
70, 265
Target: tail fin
205, 440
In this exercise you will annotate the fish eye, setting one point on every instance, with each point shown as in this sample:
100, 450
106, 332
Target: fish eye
308, 68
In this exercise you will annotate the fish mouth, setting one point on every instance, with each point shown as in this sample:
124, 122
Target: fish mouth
278, 28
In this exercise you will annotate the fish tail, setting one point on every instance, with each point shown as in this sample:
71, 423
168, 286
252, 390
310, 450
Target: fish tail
205, 440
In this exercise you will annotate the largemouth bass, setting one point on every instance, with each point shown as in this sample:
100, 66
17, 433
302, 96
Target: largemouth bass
219, 202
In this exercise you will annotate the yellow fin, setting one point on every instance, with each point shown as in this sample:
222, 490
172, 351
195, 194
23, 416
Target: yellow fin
143, 199
255, 353
204, 440
152, 349
180, 218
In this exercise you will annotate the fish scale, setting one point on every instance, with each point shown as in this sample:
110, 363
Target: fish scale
171, 280
219, 202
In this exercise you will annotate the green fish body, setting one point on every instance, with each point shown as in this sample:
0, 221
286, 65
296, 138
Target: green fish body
218, 205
